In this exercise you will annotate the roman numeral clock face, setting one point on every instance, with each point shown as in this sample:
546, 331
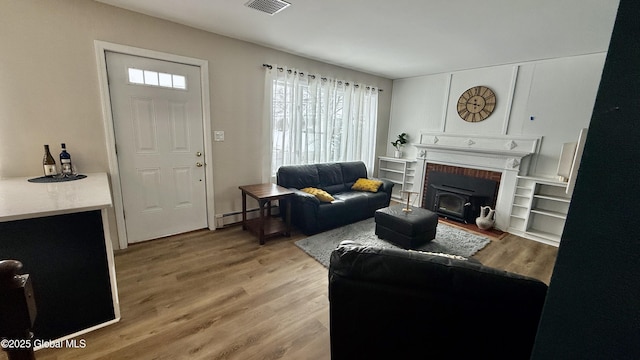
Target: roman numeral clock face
476, 104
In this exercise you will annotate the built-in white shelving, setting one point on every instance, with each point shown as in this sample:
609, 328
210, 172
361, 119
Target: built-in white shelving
539, 209
401, 172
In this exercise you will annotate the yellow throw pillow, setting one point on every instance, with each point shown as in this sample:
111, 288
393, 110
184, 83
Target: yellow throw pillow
363, 184
320, 194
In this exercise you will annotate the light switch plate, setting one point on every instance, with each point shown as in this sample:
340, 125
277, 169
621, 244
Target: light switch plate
218, 136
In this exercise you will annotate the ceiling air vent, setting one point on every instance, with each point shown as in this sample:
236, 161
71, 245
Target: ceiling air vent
270, 7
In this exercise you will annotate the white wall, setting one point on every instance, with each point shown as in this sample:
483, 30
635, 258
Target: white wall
558, 93
49, 90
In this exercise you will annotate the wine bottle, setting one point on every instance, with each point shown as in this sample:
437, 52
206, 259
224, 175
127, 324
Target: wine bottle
48, 163
65, 161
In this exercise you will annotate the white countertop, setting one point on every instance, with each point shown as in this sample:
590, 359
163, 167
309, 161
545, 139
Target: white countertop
20, 199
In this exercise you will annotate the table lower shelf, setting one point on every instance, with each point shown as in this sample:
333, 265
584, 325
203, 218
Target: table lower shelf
272, 226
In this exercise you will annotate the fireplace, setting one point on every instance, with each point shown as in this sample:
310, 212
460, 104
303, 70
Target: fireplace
500, 158
459, 196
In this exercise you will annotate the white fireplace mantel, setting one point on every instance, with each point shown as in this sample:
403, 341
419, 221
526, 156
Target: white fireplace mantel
503, 154
487, 152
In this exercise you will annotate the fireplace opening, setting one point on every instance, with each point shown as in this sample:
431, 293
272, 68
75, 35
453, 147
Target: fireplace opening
458, 197
457, 204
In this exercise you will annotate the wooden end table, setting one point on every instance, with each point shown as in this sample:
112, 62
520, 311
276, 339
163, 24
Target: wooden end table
266, 225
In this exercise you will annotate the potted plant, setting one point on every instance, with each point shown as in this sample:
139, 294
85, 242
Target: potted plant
402, 139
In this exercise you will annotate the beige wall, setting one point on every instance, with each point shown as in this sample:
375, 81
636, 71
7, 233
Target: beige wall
49, 87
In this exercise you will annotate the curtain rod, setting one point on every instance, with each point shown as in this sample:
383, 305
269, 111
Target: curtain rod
313, 76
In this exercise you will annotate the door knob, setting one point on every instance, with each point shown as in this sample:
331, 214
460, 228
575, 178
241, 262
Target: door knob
199, 164
198, 154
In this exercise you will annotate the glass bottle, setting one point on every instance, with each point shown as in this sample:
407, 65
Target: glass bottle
49, 163
65, 161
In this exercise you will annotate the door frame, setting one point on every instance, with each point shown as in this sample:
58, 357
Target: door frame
101, 47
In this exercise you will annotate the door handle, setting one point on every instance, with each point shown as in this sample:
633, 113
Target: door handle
198, 154
199, 164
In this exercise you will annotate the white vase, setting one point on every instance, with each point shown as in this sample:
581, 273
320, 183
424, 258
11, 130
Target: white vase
397, 154
486, 219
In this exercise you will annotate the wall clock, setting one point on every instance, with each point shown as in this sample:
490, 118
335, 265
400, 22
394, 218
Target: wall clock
476, 104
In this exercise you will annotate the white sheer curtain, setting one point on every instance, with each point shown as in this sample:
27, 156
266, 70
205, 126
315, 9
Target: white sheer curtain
312, 120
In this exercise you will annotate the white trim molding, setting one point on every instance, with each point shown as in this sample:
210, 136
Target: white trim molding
445, 106
101, 47
512, 91
504, 154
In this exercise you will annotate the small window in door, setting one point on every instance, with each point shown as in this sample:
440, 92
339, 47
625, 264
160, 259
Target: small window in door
154, 78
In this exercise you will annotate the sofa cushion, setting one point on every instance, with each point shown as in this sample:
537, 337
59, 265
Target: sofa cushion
357, 204
363, 184
330, 176
353, 199
298, 176
352, 171
375, 200
320, 194
332, 214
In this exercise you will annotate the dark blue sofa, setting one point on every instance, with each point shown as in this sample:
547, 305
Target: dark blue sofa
312, 216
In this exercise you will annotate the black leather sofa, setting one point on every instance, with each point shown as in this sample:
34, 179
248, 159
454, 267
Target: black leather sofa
312, 216
399, 304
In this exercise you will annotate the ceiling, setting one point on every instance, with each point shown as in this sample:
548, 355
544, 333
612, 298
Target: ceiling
404, 38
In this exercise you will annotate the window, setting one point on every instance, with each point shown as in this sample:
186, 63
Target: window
154, 78
320, 120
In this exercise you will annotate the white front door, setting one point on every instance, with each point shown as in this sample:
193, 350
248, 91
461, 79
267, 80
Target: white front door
157, 114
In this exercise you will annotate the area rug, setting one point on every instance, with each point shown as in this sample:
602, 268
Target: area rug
449, 240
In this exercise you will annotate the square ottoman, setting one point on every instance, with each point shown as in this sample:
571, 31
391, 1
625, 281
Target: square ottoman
406, 229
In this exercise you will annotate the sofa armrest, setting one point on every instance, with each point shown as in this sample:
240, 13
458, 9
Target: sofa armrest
304, 211
387, 185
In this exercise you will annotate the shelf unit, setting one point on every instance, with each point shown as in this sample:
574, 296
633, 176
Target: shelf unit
401, 172
539, 209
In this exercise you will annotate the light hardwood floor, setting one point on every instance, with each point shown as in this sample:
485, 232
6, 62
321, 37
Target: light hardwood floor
220, 295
